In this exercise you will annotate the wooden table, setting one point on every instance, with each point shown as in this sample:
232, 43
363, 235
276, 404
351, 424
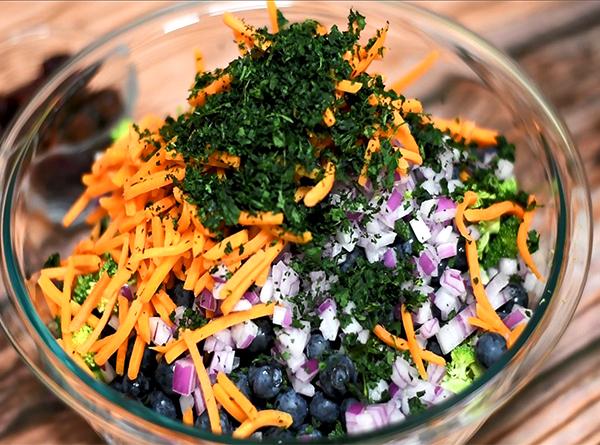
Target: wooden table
558, 44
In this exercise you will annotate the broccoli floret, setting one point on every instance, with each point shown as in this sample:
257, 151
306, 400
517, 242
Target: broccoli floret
91, 363
110, 266
85, 283
462, 369
83, 286
503, 244
486, 228
121, 129
81, 335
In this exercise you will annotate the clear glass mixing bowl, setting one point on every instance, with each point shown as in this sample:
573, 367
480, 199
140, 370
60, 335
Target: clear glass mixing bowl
151, 63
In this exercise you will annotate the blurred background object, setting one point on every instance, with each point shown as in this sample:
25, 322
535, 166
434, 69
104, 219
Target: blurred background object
557, 43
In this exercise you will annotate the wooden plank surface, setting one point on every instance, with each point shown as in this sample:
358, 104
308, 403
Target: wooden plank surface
558, 44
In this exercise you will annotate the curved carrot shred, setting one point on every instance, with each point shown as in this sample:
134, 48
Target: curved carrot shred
467, 130
469, 199
260, 219
494, 211
228, 403
522, 236
267, 417
322, 188
238, 397
401, 345
418, 70
413, 346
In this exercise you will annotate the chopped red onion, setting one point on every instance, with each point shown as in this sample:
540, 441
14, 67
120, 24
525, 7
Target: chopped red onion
308, 370
504, 169
403, 374
224, 336
327, 304
355, 408
420, 229
360, 423
126, 292
517, 316
379, 414
243, 334
435, 373
293, 340
447, 250
508, 266
304, 388
329, 324
220, 275
395, 200
429, 328
423, 313
199, 401
222, 362
242, 305
428, 262
113, 322
282, 316
186, 402
266, 292
160, 332
452, 281
207, 301
184, 377
496, 284
426, 207
445, 210
389, 259
252, 297
394, 389
446, 302
286, 282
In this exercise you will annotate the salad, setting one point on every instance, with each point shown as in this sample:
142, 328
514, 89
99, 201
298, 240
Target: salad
304, 252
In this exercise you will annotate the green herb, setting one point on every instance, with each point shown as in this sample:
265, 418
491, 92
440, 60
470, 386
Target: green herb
415, 405
85, 283
337, 432
190, 319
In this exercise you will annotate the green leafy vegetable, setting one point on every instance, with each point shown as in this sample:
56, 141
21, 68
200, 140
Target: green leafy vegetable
462, 369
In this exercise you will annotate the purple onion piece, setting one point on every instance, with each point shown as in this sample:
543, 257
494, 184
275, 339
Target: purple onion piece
394, 200
207, 301
389, 259
126, 292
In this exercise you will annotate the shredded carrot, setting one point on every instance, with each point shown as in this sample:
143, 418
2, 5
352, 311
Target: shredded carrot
232, 290
198, 61
404, 135
251, 247
301, 193
228, 403
413, 346
411, 156
267, 417
156, 279
238, 397
463, 129
177, 347
217, 86
121, 335
123, 305
260, 219
401, 345
494, 211
329, 117
372, 53
205, 385
522, 236
515, 334
75, 210
485, 311
204, 282
143, 324
153, 182
418, 71
372, 146
135, 359
348, 86
273, 15
188, 417
322, 188
301, 238
469, 199
231, 242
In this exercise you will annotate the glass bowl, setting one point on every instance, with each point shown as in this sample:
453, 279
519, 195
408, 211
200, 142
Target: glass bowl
151, 63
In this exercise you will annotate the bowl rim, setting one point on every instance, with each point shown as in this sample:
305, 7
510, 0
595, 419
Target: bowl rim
136, 410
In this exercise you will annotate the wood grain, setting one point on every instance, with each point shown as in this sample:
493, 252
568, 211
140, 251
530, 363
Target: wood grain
558, 44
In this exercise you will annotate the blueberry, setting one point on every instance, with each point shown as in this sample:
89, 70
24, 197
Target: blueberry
339, 372
279, 435
243, 385
162, 404
138, 388
351, 258
323, 409
317, 345
404, 248
203, 422
517, 294
148, 361
163, 376
308, 432
117, 384
460, 260
264, 337
434, 346
293, 404
182, 297
266, 381
489, 348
